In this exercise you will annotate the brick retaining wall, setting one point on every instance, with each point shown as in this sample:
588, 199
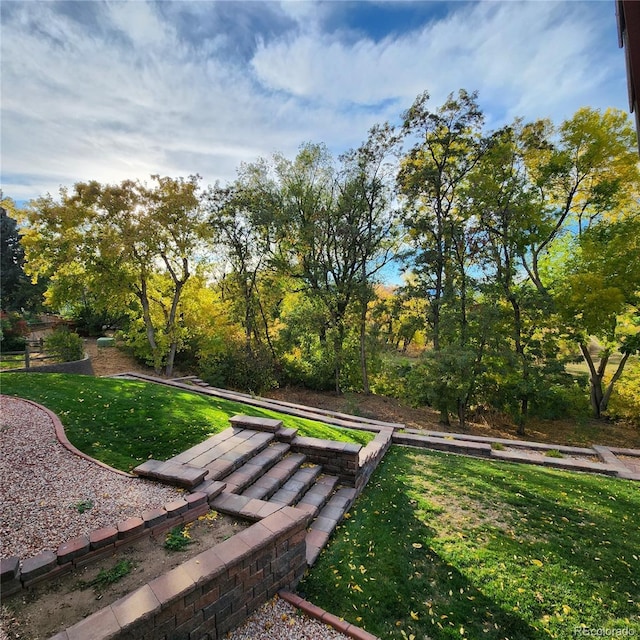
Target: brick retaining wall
211, 594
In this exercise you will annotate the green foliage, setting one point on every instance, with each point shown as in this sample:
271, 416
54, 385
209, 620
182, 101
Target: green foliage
83, 505
64, 345
442, 546
442, 378
625, 398
561, 399
553, 453
13, 332
178, 539
237, 368
92, 322
123, 422
391, 379
108, 577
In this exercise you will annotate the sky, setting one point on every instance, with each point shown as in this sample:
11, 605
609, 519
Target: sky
118, 90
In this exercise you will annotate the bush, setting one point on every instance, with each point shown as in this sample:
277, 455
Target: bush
13, 332
236, 368
625, 398
562, 399
64, 345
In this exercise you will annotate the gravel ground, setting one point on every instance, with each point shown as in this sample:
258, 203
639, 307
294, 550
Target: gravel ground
279, 620
41, 482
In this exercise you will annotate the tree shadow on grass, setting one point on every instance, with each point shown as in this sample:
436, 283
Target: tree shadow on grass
382, 572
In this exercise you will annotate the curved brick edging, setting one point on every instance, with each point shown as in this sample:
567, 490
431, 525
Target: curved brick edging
339, 624
21, 573
64, 441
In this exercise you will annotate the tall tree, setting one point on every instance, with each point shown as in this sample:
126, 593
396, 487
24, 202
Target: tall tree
334, 229
448, 143
587, 176
504, 210
599, 296
121, 243
17, 292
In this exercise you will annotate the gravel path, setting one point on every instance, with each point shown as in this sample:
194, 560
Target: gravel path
41, 482
279, 620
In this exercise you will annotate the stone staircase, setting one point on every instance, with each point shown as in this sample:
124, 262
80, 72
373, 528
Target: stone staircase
256, 467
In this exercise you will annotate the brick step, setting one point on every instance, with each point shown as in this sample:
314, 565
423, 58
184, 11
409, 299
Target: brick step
255, 423
297, 485
225, 452
316, 497
169, 472
273, 479
255, 467
328, 519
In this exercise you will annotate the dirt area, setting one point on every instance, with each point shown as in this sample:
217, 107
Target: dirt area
53, 606
108, 361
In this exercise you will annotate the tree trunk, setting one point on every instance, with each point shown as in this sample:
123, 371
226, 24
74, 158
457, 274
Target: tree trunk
363, 348
595, 381
148, 324
462, 413
604, 403
522, 418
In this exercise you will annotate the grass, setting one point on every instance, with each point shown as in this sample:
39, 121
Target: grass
124, 422
442, 546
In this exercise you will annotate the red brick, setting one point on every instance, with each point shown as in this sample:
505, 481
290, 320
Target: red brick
153, 517
207, 598
171, 585
176, 507
233, 549
102, 537
71, 549
9, 568
195, 499
130, 527
186, 613
205, 566
36, 566
256, 535
102, 624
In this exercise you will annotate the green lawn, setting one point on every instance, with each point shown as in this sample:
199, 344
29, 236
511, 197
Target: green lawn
124, 422
443, 546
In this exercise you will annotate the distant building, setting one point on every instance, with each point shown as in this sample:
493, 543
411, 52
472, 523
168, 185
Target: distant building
628, 12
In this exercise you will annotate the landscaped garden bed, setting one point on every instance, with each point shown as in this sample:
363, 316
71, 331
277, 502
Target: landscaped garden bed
48, 608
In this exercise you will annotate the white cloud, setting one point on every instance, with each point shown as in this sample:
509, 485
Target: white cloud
122, 91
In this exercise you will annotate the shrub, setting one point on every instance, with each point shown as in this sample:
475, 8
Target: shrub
625, 398
237, 368
567, 398
13, 332
64, 345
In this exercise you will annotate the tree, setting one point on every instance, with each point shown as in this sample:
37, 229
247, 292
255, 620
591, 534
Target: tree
121, 243
448, 145
599, 296
504, 210
16, 289
587, 179
236, 218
